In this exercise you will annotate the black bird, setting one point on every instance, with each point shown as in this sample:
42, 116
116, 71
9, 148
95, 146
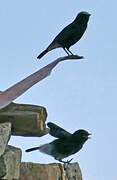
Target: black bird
66, 144
69, 35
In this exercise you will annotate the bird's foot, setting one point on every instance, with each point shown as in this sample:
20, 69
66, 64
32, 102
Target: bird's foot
74, 57
68, 161
65, 162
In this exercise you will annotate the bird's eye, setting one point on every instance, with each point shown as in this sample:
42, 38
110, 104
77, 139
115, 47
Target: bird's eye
84, 135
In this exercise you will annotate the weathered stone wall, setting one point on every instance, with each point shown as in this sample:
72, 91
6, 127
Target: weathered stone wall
10, 157
28, 120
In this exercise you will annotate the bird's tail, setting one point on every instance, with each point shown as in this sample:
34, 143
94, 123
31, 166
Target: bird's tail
42, 54
32, 149
46, 148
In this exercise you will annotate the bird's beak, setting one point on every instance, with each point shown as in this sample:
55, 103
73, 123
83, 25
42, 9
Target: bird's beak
89, 135
89, 14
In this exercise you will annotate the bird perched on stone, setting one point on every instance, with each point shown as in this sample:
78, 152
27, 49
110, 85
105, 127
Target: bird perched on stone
66, 144
69, 35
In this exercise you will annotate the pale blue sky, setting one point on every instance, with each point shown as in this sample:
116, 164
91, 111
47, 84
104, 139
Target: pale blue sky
77, 94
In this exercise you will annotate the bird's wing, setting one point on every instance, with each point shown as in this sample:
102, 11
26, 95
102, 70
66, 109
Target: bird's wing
57, 131
64, 34
69, 35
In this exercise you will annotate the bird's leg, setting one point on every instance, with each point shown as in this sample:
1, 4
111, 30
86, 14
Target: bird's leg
60, 160
70, 52
66, 51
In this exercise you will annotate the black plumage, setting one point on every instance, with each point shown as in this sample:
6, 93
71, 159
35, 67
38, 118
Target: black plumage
66, 144
69, 35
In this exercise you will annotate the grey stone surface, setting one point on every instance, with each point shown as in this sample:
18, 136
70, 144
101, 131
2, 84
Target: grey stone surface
2, 167
11, 159
54, 171
26, 120
5, 131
